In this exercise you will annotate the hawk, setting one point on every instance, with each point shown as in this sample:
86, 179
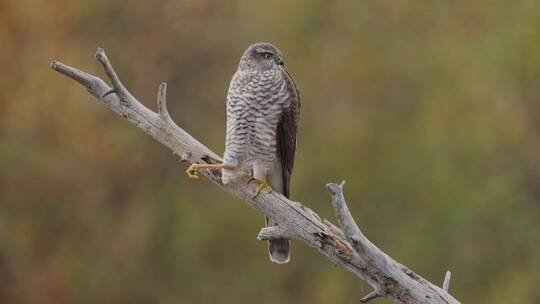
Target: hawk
263, 106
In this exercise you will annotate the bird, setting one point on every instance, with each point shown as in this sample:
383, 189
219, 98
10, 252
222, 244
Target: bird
263, 109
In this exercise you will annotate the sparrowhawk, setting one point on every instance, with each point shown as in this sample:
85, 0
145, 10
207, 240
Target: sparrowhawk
263, 106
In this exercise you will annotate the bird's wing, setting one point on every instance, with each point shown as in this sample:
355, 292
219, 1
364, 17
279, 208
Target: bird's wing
286, 132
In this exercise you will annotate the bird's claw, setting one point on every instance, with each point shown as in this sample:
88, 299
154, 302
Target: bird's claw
192, 171
262, 185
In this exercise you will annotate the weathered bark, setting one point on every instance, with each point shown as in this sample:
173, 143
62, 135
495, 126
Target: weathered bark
347, 248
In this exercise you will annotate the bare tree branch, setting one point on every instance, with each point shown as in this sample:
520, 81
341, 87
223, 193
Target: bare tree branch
345, 219
162, 102
348, 248
371, 296
446, 283
274, 233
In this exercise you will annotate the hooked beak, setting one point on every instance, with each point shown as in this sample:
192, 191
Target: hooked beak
280, 61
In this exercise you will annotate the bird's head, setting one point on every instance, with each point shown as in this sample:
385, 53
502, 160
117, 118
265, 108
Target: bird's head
261, 56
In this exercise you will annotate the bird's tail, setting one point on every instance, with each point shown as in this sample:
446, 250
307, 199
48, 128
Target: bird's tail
279, 250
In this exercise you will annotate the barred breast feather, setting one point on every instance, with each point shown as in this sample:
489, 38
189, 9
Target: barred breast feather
255, 103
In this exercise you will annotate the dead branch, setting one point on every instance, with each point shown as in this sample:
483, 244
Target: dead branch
346, 247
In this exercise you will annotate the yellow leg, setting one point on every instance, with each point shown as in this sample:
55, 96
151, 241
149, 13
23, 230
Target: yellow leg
192, 170
262, 185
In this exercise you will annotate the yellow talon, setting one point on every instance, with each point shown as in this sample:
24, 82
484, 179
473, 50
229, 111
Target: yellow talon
262, 185
193, 170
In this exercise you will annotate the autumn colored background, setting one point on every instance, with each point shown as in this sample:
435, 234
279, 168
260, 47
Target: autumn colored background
429, 109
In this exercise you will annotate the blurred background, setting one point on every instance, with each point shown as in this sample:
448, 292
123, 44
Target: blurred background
429, 109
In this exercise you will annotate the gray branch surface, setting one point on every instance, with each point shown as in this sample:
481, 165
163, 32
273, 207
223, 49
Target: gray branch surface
346, 247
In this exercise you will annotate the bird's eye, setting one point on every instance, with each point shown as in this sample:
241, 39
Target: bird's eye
268, 55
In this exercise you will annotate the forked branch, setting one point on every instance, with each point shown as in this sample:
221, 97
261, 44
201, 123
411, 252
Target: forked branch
348, 248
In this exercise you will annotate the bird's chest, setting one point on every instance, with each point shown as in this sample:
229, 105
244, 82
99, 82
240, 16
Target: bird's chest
264, 95
253, 113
